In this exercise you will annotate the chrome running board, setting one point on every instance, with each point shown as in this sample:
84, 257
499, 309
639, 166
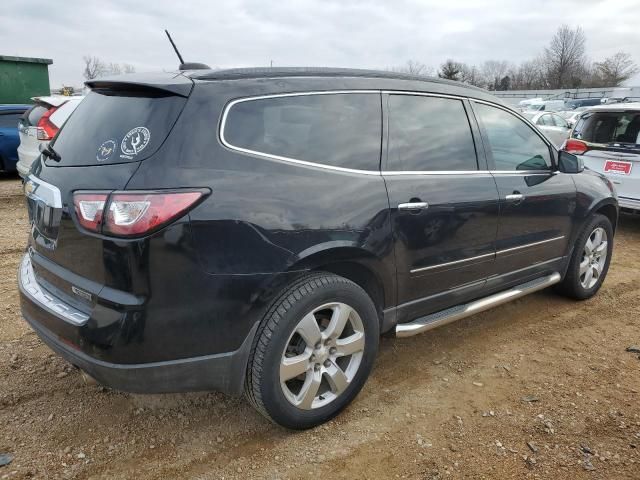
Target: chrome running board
465, 310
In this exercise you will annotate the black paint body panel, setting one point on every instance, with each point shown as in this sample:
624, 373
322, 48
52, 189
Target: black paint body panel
197, 287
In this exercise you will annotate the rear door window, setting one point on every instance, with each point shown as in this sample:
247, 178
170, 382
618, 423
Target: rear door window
32, 116
340, 130
429, 134
513, 145
117, 127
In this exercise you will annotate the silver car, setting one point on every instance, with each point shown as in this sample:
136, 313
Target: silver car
551, 124
607, 138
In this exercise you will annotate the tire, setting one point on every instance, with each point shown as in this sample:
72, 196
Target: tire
574, 284
284, 341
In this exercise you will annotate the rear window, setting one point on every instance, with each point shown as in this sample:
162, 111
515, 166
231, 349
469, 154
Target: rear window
117, 127
9, 120
340, 130
609, 128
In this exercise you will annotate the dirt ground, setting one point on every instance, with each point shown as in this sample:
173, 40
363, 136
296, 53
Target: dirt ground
539, 388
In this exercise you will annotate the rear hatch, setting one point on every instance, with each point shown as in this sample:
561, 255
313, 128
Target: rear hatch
101, 145
610, 144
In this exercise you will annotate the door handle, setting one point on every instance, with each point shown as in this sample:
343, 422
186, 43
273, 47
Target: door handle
514, 197
413, 206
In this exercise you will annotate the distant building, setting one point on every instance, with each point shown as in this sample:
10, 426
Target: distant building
22, 78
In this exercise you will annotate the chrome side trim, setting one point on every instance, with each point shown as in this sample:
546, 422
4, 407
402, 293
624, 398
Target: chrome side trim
456, 262
29, 286
40, 190
230, 105
461, 311
471, 259
520, 247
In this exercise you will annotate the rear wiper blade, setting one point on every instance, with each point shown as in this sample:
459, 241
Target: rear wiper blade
48, 151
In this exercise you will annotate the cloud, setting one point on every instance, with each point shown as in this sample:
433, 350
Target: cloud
357, 33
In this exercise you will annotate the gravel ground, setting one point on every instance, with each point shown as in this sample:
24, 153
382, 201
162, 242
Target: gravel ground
539, 388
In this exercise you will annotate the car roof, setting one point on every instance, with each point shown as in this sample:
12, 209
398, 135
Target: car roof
326, 72
615, 107
8, 107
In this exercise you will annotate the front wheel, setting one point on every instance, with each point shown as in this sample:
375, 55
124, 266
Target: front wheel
313, 351
590, 260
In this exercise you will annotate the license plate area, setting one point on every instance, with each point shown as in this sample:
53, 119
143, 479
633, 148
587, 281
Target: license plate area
617, 167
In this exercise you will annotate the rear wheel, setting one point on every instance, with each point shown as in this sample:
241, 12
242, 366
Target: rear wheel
590, 259
313, 351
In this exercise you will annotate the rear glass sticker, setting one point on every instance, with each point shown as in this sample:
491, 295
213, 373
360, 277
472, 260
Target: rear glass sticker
135, 141
106, 150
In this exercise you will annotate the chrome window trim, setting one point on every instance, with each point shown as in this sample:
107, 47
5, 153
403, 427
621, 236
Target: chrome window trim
499, 252
280, 158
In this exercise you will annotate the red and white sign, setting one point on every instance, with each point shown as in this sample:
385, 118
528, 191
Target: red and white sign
619, 168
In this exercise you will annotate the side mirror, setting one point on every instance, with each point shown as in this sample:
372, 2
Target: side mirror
568, 163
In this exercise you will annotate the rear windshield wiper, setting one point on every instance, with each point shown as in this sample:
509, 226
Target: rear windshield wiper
48, 151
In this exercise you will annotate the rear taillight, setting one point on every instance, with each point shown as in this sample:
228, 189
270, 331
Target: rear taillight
46, 128
132, 214
90, 209
576, 147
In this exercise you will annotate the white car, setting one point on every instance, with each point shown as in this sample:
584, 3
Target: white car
551, 124
39, 125
572, 116
607, 138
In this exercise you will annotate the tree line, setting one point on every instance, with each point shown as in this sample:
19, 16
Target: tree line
94, 67
562, 64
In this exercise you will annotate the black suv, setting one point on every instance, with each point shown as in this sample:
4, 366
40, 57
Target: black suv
257, 230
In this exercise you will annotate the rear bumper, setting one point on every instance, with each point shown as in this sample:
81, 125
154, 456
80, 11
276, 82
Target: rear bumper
43, 310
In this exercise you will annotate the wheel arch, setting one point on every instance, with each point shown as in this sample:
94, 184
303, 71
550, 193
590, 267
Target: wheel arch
360, 266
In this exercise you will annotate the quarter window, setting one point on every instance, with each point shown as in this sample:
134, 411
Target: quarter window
340, 130
429, 134
513, 145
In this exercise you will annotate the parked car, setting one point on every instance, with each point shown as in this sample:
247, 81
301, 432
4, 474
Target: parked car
9, 140
40, 124
607, 139
572, 116
545, 106
196, 233
582, 102
551, 124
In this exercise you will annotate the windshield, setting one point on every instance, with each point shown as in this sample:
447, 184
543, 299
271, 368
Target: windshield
609, 128
117, 127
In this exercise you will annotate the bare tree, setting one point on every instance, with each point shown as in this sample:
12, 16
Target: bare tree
113, 69
614, 70
414, 68
493, 72
450, 70
471, 74
565, 57
128, 68
93, 67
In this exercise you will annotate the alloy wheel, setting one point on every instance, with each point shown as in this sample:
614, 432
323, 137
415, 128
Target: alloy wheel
322, 356
594, 257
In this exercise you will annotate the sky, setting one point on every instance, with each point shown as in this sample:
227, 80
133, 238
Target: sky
346, 33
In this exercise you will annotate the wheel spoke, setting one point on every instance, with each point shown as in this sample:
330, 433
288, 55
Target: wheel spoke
350, 345
587, 278
588, 247
309, 330
597, 237
584, 265
600, 249
596, 272
309, 390
336, 378
339, 319
291, 367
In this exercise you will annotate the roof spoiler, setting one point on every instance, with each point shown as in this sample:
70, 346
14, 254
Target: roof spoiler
174, 84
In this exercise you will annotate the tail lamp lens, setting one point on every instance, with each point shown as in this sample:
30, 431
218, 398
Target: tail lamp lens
46, 128
576, 147
132, 213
